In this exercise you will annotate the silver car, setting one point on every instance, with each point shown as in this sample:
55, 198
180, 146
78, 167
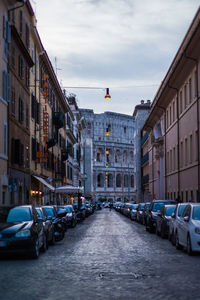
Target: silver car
173, 221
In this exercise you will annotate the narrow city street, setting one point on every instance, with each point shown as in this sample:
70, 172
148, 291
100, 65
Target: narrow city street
105, 257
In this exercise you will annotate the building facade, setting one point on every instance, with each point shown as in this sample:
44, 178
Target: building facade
109, 153
140, 114
173, 125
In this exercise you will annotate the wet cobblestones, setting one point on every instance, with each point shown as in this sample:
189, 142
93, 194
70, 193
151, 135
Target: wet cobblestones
106, 257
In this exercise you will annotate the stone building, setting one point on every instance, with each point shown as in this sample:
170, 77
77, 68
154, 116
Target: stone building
173, 125
109, 152
140, 114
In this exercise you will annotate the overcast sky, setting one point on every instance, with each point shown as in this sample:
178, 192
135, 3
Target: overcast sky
125, 45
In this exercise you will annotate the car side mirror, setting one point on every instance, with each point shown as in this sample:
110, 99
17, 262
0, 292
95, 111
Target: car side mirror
173, 215
159, 214
186, 219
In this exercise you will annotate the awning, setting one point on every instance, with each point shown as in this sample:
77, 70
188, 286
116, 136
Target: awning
45, 183
68, 189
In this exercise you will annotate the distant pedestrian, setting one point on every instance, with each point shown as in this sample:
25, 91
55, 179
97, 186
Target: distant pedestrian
110, 206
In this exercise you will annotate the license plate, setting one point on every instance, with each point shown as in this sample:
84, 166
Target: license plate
2, 244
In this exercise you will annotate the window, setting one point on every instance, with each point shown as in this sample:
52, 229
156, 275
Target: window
110, 180
185, 96
170, 115
167, 119
125, 130
5, 138
21, 110
27, 37
33, 149
181, 155
171, 161
118, 180
173, 112
20, 67
132, 180
191, 148
125, 156
186, 151
195, 83
27, 117
13, 57
13, 101
100, 180
20, 22
196, 145
6, 86
181, 102
27, 77
174, 159
190, 90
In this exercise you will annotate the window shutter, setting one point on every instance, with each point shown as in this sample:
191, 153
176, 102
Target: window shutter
33, 106
13, 151
37, 112
8, 87
4, 85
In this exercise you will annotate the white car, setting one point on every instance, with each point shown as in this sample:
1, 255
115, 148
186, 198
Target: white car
173, 221
188, 228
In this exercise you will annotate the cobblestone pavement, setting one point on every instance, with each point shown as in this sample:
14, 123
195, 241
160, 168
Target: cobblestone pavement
106, 257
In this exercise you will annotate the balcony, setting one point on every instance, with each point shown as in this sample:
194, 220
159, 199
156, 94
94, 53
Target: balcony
145, 158
145, 179
58, 119
144, 138
64, 155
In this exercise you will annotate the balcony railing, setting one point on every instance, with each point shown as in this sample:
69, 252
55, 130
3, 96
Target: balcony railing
144, 138
145, 158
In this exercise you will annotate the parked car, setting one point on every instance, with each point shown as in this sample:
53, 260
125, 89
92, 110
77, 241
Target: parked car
21, 231
152, 212
188, 228
127, 209
133, 214
70, 215
57, 220
80, 213
144, 213
163, 218
48, 225
173, 221
139, 214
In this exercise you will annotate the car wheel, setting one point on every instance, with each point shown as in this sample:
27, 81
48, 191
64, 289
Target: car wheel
35, 251
44, 246
189, 246
157, 232
173, 238
178, 246
53, 240
162, 233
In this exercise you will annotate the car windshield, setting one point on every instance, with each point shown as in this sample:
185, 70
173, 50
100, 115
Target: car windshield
49, 211
157, 206
135, 206
196, 213
68, 209
141, 206
169, 210
19, 214
181, 209
147, 206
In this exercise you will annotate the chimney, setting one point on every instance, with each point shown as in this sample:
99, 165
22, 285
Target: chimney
142, 101
149, 102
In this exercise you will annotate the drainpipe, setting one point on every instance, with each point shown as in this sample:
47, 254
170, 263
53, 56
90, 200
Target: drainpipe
178, 138
152, 173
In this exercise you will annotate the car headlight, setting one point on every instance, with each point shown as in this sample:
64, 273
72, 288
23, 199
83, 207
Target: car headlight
23, 233
197, 230
69, 214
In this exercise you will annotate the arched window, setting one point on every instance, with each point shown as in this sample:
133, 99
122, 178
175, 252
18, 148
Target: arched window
99, 154
125, 156
117, 156
118, 180
100, 180
132, 180
110, 180
125, 180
